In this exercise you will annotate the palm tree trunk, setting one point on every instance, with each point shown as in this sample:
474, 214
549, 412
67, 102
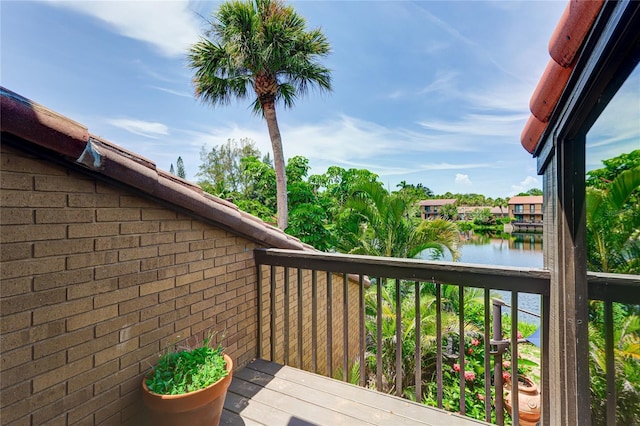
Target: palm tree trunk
278, 163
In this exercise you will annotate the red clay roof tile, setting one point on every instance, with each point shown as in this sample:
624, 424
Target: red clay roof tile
575, 23
532, 133
569, 35
547, 93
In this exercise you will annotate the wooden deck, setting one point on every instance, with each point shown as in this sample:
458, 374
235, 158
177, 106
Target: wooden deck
265, 393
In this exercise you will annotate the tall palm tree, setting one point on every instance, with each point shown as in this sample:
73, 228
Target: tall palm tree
261, 45
384, 224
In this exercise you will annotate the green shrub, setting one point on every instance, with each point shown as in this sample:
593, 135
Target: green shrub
187, 370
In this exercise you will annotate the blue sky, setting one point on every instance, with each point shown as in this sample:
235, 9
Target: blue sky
431, 92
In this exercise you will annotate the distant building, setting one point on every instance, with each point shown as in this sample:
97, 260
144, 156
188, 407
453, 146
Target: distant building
429, 209
466, 212
500, 212
526, 209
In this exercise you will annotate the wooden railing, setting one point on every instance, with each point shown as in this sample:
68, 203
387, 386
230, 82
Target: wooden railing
407, 275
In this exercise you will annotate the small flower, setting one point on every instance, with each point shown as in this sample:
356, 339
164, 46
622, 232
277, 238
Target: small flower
506, 364
481, 397
475, 342
456, 367
469, 375
506, 375
470, 351
519, 335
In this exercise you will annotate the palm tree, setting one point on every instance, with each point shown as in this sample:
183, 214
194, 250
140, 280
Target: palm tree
260, 44
613, 225
384, 224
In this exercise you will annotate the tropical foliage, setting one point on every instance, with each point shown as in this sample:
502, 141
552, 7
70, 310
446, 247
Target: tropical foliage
626, 338
261, 48
613, 238
471, 335
380, 223
613, 224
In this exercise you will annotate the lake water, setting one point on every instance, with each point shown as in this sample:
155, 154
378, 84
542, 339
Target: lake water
517, 250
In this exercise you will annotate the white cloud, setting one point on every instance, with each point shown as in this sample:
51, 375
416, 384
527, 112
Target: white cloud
173, 92
480, 125
147, 129
443, 83
170, 26
525, 185
462, 179
342, 140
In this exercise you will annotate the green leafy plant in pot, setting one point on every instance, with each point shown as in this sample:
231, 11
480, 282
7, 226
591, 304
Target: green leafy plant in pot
188, 386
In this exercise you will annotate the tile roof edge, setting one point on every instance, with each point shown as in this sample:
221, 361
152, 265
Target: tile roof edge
55, 131
565, 43
59, 134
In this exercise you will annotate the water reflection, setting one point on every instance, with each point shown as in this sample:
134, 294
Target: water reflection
526, 242
497, 249
524, 250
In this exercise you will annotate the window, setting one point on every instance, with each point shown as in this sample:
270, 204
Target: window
533, 208
519, 208
427, 209
610, 146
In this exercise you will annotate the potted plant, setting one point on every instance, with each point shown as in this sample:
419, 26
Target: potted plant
188, 386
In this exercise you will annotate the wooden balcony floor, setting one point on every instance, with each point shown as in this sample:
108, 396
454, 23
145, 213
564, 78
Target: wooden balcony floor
265, 393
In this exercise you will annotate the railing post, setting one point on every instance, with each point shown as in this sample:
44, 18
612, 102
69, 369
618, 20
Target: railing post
487, 358
515, 412
272, 302
329, 324
609, 363
398, 339
260, 307
286, 316
314, 321
418, 326
497, 359
379, 335
300, 336
439, 341
362, 331
463, 408
345, 327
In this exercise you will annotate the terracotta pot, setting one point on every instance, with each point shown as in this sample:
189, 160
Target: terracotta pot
528, 401
198, 408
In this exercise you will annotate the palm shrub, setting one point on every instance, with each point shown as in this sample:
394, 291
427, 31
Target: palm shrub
626, 337
376, 222
613, 225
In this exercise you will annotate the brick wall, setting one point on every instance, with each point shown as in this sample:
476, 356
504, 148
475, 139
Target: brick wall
95, 282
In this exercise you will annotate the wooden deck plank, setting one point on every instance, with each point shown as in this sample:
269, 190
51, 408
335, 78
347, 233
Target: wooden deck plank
370, 399
254, 412
265, 393
335, 402
298, 408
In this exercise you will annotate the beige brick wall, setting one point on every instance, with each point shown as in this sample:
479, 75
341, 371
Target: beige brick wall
95, 282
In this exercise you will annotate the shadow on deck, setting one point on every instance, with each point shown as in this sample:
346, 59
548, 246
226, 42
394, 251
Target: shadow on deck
265, 393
